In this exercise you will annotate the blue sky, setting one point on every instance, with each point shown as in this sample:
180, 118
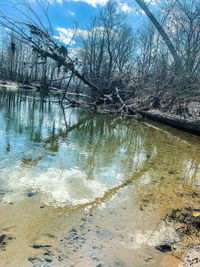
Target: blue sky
63, 13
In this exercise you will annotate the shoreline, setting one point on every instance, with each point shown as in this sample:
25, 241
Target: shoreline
188, 124
184, 124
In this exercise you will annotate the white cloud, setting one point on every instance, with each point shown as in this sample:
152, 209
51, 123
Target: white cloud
82, 33
126, 8
69, 36
65, 35
71, 13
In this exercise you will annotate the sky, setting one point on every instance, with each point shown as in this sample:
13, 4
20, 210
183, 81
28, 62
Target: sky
64, 13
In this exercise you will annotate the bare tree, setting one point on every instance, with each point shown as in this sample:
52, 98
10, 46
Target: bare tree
108, 48
185, 20
176, 57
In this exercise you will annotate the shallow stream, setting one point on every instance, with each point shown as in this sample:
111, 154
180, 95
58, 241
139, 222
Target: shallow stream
81, 189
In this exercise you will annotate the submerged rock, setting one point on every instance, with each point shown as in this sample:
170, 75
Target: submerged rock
48, 260
164, 248
2, 237
41, 246
34, 260
4, 240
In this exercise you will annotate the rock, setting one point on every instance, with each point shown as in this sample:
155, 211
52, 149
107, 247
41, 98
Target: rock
148, 259
30, 194
34, 260
40, 246
164, 248
48, 253
95, 258
48, 260
2, 237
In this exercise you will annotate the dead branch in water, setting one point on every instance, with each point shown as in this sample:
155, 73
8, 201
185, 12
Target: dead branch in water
121, 101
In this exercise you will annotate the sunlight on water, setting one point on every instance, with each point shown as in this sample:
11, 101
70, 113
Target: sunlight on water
56, 187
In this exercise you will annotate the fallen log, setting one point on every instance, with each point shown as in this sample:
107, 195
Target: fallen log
189, 125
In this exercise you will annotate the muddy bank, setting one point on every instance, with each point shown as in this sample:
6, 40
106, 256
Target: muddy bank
186, 124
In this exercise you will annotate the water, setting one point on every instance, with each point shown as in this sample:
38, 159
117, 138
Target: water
81, 189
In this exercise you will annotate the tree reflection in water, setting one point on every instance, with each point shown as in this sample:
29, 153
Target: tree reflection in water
113, 151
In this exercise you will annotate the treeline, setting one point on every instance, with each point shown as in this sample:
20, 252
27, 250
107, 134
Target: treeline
117, 54
113, 54
20, 63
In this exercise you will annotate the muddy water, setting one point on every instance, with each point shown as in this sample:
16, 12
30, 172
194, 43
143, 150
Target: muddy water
78, 189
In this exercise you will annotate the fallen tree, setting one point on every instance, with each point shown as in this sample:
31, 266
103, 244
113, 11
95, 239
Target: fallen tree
128, 95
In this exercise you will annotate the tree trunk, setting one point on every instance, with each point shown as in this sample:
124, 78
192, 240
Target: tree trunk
162, 32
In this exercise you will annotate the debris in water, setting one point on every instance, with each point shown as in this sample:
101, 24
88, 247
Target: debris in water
188, 217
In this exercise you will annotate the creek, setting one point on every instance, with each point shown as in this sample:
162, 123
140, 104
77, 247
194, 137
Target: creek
83, 189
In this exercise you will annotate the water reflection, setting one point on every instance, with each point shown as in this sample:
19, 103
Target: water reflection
66, 149
59, 165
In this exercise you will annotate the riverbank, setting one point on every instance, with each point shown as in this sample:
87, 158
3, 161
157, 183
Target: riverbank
31, 87
191, 125
183, 114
